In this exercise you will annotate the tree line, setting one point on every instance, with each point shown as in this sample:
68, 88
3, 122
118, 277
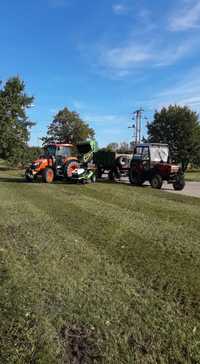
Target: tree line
175, 125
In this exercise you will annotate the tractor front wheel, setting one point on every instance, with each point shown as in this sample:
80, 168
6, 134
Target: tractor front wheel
156, 181
48, 175
179, 184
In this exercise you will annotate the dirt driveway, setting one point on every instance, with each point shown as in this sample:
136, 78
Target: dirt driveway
191, 189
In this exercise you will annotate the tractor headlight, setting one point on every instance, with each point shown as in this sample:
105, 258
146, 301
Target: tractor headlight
174, 169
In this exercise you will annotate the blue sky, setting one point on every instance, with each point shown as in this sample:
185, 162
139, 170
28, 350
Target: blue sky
103, 59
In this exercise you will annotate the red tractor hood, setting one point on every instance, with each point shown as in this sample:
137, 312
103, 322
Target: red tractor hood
168, 168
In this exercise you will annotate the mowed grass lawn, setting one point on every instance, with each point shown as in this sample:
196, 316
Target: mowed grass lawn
102, 273
193, 176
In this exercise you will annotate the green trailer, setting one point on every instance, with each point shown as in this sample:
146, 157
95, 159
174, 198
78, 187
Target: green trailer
114, 164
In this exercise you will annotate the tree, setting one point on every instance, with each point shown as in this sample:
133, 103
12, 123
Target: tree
14, 123
68, 127
124, 147
112, 147
118, 147
30, 154
179, 127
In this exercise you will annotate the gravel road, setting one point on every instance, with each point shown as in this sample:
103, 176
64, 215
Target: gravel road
191, 189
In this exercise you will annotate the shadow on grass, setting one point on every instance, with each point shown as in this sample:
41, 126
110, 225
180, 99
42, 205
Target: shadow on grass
21, 179
13, 180
5, 169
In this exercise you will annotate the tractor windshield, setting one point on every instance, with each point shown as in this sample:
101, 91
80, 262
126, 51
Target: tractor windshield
159, 153
141, 152
63, 151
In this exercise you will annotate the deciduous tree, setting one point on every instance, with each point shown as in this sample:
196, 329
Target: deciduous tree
68, 127
14, 122
179, 127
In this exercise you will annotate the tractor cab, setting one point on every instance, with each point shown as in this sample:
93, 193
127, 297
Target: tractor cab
58, 150
153, 153
151, 162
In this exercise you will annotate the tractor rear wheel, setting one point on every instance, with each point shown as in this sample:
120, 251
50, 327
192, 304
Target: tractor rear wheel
156, 181
48, 175
70, 167
179, 184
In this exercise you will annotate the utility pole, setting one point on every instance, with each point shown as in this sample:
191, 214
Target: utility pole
137, 127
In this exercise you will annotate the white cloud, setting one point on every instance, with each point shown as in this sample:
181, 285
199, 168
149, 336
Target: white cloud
186, 18
119, 8
126, 57
121, 61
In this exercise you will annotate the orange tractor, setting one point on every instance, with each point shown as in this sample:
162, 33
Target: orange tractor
57, 161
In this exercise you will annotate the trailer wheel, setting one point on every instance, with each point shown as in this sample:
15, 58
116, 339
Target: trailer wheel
48, 175
156, 181
179, 184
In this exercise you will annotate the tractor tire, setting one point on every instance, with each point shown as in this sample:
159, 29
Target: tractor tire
135, 180
48, 175
156, 181
70, 168
179, 184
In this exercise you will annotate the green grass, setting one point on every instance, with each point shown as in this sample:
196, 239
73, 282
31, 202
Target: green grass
193, 176
103, 273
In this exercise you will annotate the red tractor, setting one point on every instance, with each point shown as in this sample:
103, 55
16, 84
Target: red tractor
150, 162
58, 161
